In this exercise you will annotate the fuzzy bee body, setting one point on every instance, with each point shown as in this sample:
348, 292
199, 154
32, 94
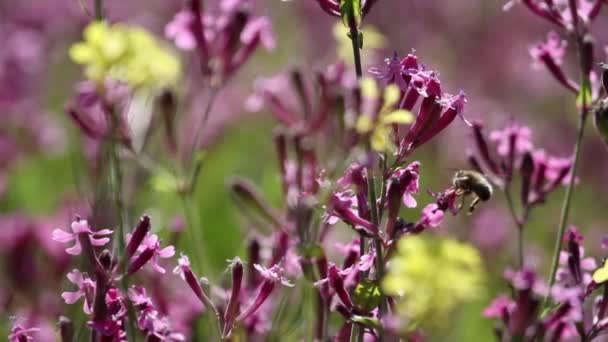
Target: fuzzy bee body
469, 182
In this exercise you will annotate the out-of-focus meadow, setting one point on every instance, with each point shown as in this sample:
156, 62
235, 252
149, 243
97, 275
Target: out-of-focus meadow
45, 168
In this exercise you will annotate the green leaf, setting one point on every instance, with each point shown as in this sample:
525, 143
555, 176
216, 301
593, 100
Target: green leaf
367, 321
367, 295
350, 11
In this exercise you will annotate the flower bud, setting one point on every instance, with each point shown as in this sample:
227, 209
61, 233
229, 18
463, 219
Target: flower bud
601, 116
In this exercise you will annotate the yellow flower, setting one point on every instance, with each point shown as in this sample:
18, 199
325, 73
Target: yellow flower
432, 276
601, 274
380, 128
127, 54
372, 40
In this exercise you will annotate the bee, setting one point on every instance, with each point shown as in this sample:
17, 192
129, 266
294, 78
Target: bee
468, 182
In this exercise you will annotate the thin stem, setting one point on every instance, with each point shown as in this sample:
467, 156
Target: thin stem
98, 10
120, 246
520, 227
201, 126
565, 211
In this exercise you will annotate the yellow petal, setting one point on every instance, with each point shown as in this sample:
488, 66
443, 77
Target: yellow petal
391, 95
364, 124
82, 53
400, 116
369, 88
601, 275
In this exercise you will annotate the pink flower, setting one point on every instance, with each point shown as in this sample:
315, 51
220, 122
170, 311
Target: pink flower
179, 30
554, 47
275, 274
150, 251
432, 216
500, 306
520, 134
81, 227
259, 29
21, 334
86, 289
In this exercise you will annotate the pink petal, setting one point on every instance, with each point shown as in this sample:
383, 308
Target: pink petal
157, 267
80, 227
75, 277
98, 242
103, 232
71, 297
62, 236
409, 200
75, 250
167, 252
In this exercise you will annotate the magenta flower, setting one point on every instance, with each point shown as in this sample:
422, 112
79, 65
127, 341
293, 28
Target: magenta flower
413, 184
550, 54
512, 135
86, 289
21, 334
432, 216
179, 30
500, 307
150, 250
81, 227
271, 277
554, 47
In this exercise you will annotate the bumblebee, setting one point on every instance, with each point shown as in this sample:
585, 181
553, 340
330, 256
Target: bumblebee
468, 182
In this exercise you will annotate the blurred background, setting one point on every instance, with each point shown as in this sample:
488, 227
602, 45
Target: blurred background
473, 44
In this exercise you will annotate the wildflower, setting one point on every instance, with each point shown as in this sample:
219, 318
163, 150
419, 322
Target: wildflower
550, 54
378, 125
125, 53
139, 233
86, 289
512, 135
21, 334
81, 227
185, 272
271, 277
432, 276
150, 250
233, 304
225, 40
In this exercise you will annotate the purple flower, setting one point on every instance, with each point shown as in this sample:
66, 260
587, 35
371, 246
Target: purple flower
512, 135
259, 29
86, 289
274, 274
500, 307
21, 334
551, 54
81, 227
554, 47
413, 186
179, 30
432, 216
150, 250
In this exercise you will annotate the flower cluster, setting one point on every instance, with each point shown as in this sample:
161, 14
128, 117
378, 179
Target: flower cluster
126, 54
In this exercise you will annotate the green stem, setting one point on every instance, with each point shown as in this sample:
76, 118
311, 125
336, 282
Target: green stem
200, 128
565, 211
520, 228
119, 246
373, 205
98, 10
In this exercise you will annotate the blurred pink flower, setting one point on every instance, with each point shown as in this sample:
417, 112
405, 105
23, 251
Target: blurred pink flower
521, 136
